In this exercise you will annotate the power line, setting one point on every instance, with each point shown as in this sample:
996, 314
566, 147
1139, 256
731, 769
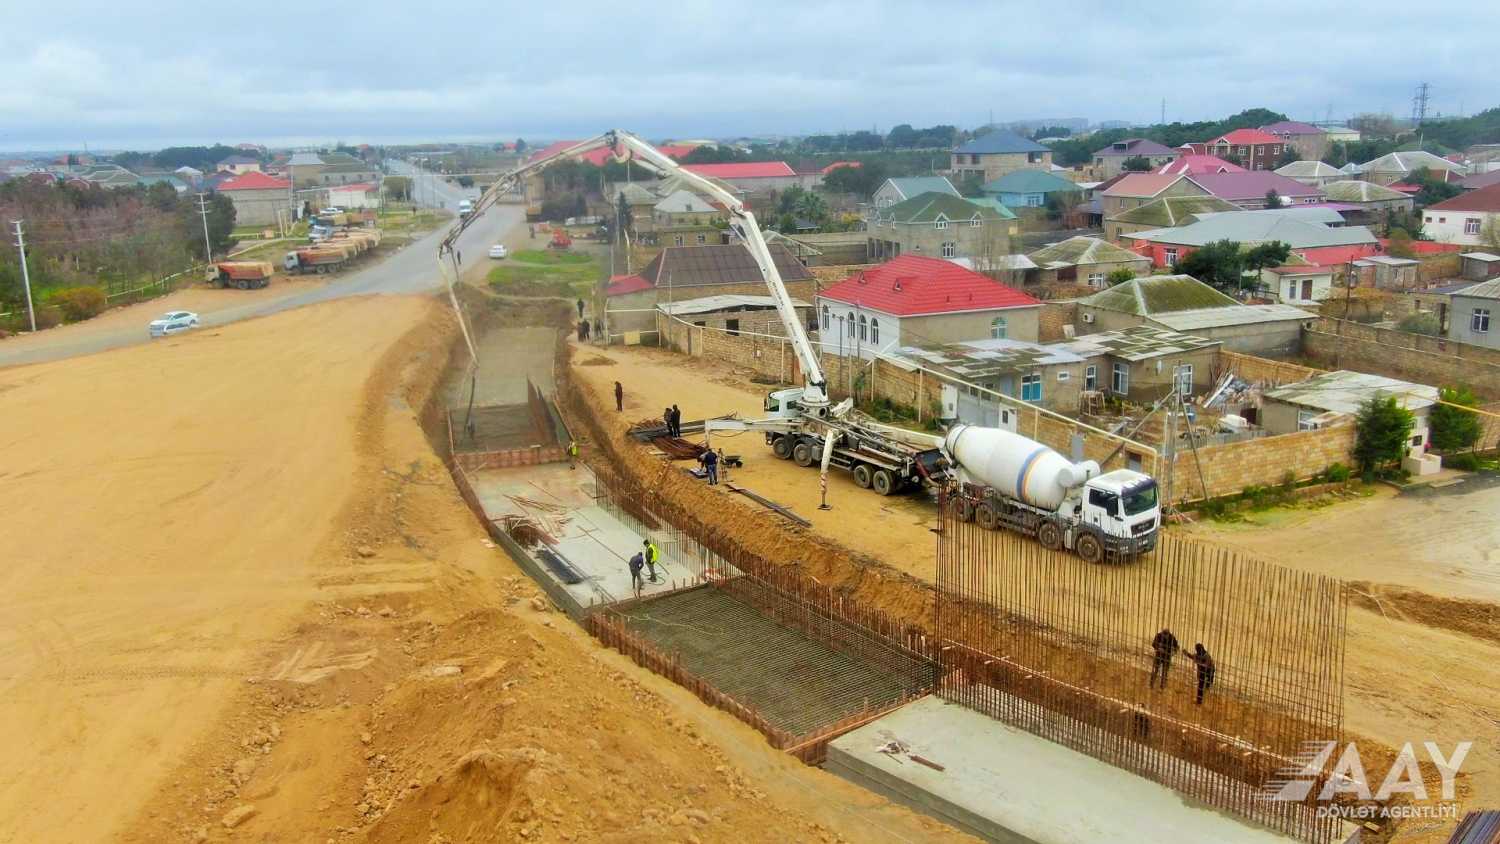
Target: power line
25, 273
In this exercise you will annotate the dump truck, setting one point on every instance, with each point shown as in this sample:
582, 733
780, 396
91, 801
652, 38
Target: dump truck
323, 258
1007, 481
244, 275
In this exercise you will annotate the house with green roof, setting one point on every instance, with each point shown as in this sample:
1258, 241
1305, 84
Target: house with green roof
1085, 260
1164, 213
1186, 305
1028, 188
901, 188
1371, 199
939, 225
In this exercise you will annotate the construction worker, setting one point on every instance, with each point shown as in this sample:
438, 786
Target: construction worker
1164, 646
619, 398
652, 557
580, 309
572, 454
666, 419
1206, 670
710, 462
636, 563
676, 421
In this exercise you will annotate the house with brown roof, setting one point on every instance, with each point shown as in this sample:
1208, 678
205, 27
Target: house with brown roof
1472, 218
1137, 189
1249, 190
692, 272
1109, 161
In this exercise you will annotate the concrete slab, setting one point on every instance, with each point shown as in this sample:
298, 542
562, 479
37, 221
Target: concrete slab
1004, 784
592, 541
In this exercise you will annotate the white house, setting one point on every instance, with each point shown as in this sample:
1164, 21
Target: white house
1467, 218
362, 195
1297, 285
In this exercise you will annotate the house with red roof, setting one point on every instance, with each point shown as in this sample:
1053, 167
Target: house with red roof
757, 176
1193, 165
1469, 218
915, 300
1250, 148
1310, 141
837, 164
258, 198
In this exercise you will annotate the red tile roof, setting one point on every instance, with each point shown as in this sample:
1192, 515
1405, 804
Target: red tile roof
837, 164
1484, 199
619, 285
599, 157
1253, 184
1247, 136
912, 285
1194, 164
1141, 184
743, 170
254, 181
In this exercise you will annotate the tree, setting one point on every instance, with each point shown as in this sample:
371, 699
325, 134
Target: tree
1337, 155
1119, 276
861, 181
1400, 244
1136, 164
1490, 234
1383, 429
1288, 155
901, 137
1263, 255
398, 187
971, 184
520, 146
1059, 203
1453, 428
1433, 189
1219, 264
1273, 199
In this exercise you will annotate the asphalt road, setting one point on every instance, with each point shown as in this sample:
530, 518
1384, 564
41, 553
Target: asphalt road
414, 269
431, 190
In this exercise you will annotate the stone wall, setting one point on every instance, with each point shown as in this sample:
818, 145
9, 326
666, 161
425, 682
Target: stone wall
1436, 361
1053, 317
1228, 468
1257, 370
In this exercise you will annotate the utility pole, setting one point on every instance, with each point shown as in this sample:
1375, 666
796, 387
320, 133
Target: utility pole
208, 250
1163, 111
25, 273
1419, 104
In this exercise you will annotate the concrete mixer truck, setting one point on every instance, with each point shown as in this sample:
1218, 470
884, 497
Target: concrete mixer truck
1008, 481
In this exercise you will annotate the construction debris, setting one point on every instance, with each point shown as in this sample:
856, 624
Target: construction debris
769, 504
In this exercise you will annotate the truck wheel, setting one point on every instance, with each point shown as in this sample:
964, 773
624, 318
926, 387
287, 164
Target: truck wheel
1050, 536
242, 284
862, 476
802, 454
1089, 548
986, 517
782, 447
883, 482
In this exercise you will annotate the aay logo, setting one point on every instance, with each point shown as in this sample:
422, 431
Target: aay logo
1296, 782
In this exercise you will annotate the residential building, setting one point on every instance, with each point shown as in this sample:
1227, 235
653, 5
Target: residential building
1374, 200
1316, 242
1309, 141
733, 314
1030, 188
940, 226
902, 188
684, 218
1110, 160
1341, 134
1334, 397
304, 167
1313, 173
1137, 189
1050, 376
988, 157
1481, 180
1469, 218
1164, 213
190, 175
1476, 315
1085, 260
1192, 165
823, 249
757, 176
1184, 304
350, 172
239, 165
1297, 284
1143, 363
915, 300
691, 272
258, 199
1386, 272
1248, 190
360, 195
639, 202
1479, 266
1396, 167
1249, 148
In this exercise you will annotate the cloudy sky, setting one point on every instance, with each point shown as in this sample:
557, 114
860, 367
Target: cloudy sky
168, 73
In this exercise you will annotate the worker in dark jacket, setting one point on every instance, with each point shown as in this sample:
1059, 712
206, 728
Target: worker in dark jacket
1163, 648
580, 309
676, 421
653, 556
1206, 670
711, 465
619, 397
637, 562
666, 419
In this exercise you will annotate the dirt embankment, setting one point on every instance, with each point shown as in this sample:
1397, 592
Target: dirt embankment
429, 692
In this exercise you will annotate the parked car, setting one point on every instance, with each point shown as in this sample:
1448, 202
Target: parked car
173, 322
498, 251
332, 209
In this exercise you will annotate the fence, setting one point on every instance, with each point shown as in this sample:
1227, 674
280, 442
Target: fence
1058, 647
1340, 344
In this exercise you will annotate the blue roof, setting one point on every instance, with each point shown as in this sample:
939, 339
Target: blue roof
1001, 140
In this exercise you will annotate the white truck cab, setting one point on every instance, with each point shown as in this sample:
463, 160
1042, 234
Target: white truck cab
1123, 506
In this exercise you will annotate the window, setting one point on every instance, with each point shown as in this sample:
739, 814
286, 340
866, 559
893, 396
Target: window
1034, 200
997, 328
1442, 219
1305, 420
1062, 375
950, 249
1106, 501
1091, 377
1120, 379
862, 326
1169, 255
874, 330
677, 240
974, 223
851, 325
1479, 321
1031, 387
1291, 289
1182, 377
974, 159
732, 326
1471, 225
1033, 157
825, 317
1096, 279
702, 239
940, 224
1427, 218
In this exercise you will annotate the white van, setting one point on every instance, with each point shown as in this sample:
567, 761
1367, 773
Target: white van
465, 208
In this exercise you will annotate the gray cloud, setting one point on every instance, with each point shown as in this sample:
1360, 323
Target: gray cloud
288, 72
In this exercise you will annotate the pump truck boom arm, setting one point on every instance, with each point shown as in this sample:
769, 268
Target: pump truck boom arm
814, 394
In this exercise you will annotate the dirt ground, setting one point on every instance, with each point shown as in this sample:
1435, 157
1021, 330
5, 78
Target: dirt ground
1419, 667
253, 604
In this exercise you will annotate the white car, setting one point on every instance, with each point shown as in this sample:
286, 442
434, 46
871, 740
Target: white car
332, 209
173, 322
498, 251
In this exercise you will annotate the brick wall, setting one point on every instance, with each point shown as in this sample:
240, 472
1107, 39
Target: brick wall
1256, 370
1053, 317
1398, 354
1228, 468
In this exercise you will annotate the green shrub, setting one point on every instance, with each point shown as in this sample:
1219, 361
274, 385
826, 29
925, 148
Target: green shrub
79, 303
48, 317
1336, 473
1467, 462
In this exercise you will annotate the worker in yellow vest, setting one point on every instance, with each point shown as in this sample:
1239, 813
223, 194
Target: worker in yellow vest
572, 454
652, 557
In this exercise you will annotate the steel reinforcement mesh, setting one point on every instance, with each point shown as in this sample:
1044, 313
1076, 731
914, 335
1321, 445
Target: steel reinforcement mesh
1064, 649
